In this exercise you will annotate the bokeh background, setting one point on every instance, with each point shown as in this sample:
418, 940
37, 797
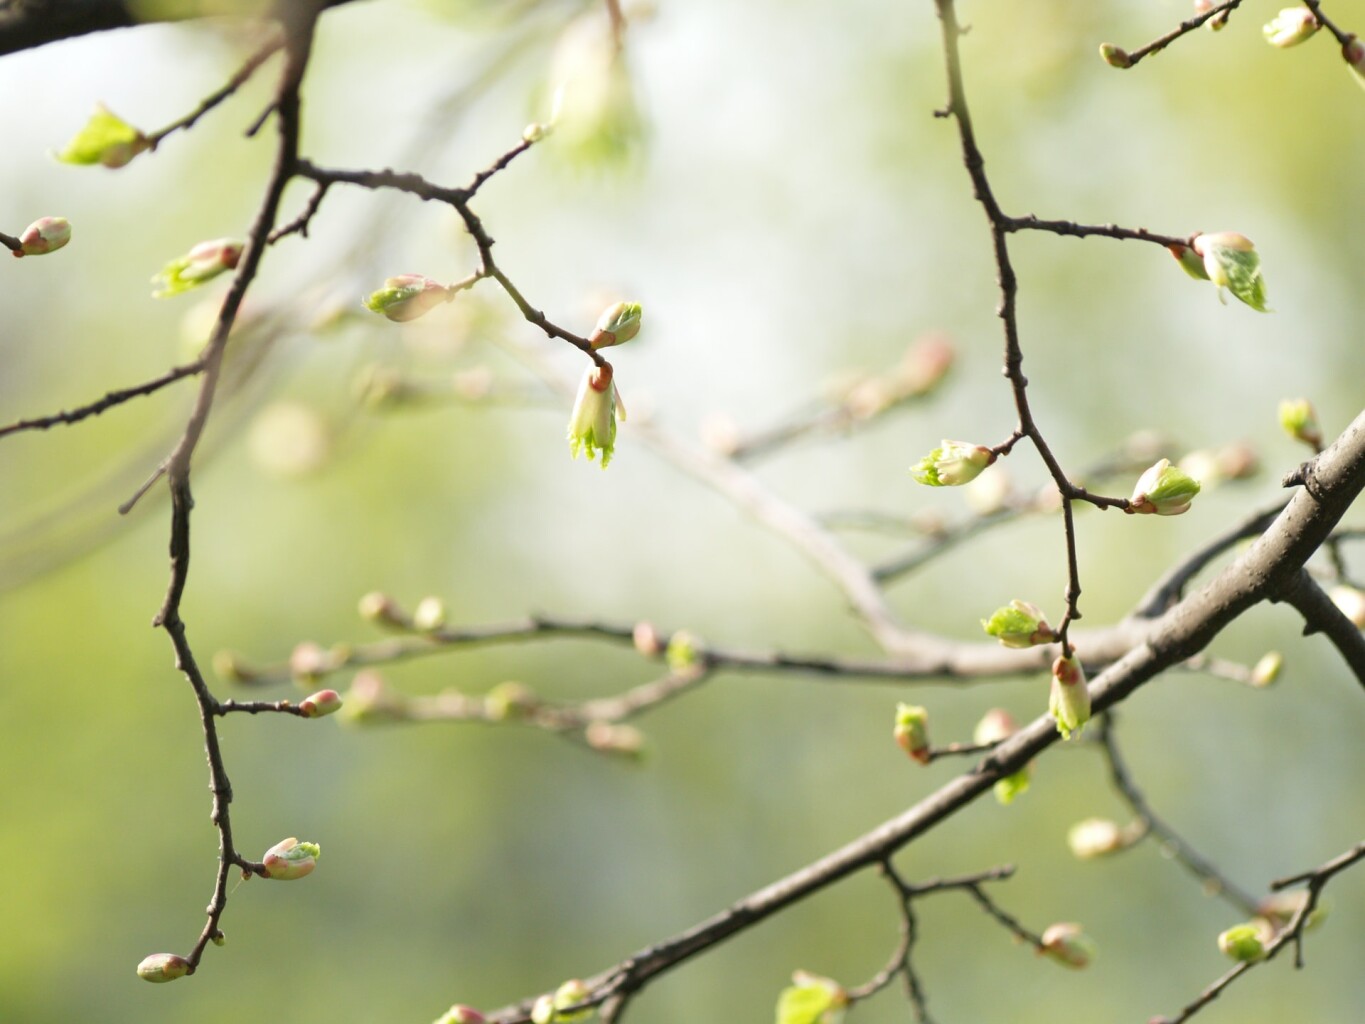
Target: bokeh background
791, 215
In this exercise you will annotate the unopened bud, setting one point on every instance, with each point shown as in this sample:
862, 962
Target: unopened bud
381, 609
319, 704
1067, 944
219, 939
1163, 490
646, 639
611, 738
1115, 56
44, 235
370, 700
681, 654
1290, 27
461, 1014
290, 859
308, 662
1218, 22
407, 296
1243, 943
1299, 420
1353, 52
617, 325
952, 464
161, 967
509, 700
912, 731
202, 263
1095, 837
1069, 697
550, 1009
429, 615
535, 132
1267, 670
1020, 625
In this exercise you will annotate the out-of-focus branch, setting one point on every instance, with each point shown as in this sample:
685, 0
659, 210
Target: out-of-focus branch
1320, 615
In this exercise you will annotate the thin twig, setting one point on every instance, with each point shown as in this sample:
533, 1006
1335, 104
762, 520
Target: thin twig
110, 400
1187, 26
269, 49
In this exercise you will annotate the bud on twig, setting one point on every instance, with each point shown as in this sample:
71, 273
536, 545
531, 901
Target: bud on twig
592, 424
1163, 490
1069, 698
1067, 944
106, 139
162, 967
1290, 27
1299, 420
1115, 56
202, 263
407, 296
44, 235
290, 859
1231, 262
1020, 625
319, 704
617, 325
1095, 837
997, 725
912, 731
429, 615
461, 1014
1244, 942
952, 464
1267, 670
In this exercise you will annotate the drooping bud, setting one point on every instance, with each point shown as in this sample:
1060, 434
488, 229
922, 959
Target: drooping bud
1231, 262
1095, 837
290, 859
812, 999
1243, 943
429, 615
1290, 27
1218, 22
44, 235
106, 139
997, 725
1163, 490
408, 296
1020, 625
1351, 602
1067, 944
1069, 698
617, 325
1267, 670
952, 464
592, 425
162, 967
1115, 56
202, 263
1299, 420
319, 704
461, 1014
218, 939
912, 731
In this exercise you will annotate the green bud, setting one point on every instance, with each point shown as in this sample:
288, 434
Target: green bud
163, 967
1019, 625
1290, 27
1299, 420
382, 610
912, 731
1095, 837
106, 139
952, 464
592, 424
681, 653
407, 296
1243, 943
1190, 261
201, 264
509, 700
1231, 262
320, 704
811, 999
1267, 670
1115, 56
219, 939
44, 235
550, 1009
429, 615
1067, 944
290, 859
1163, 490
1069, 697
617, 325
461, 1014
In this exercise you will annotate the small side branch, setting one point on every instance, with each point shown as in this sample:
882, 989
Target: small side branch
1321, 615
1185, 27
110, 400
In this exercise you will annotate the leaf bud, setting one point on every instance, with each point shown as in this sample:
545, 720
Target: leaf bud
1351, 602
592, 424
509, 700
319, 704
1299, 420
912, 731
407, 296
646, 639
44, 235
682, 653
202, 263
382, 610
461, 1014
1267, 669
1067, 944
550, 1009
1069, 697
429, 615
1020, 625
1095, 837
617, 325
106, 139
1231, 262
952, 464
812, 999
1244, 942
162, 967
995, 726
290, 859
1353, 52
1163, 490
1115, 56
1290, 27
370, 700
308, 662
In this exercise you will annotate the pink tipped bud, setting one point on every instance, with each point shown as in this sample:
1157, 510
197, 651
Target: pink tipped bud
291, 859
324, 702
408, 296
162, 967
45, 235
1067, 944
1069, 698
912, 731
308, 661
461, 1014
617, 325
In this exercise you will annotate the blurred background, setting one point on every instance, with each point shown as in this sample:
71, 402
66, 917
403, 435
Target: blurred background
768, 180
